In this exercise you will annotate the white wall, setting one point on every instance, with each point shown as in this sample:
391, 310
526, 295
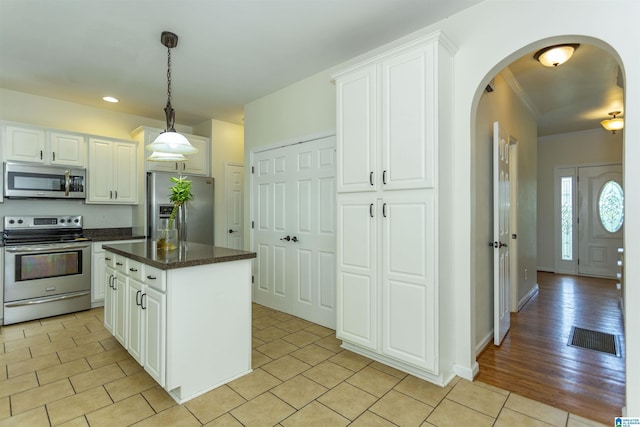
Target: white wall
565, 150
489, 36
227, 145
503, 105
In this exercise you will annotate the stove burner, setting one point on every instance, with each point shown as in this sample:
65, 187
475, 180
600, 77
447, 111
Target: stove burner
42, 229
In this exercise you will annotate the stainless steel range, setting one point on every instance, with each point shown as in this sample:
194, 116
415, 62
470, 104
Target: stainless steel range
47, 267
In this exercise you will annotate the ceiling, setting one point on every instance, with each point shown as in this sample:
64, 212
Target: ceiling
232, 52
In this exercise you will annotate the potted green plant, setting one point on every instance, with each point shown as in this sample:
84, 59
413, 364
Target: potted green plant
180, 194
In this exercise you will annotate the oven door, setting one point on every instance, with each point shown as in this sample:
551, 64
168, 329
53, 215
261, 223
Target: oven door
44, 270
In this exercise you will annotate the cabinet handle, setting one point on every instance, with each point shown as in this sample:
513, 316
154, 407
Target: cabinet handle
384, 210
40, 154
133, 269
110, 280
116, 193
371, 178
110, 194
119, 263
115, 283
107, 259
184, 166
54, 156
137, 295
151, 277
384, 177
371, 210
144, 307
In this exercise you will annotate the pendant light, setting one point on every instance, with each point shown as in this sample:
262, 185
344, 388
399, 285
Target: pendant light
170, 141
614, 123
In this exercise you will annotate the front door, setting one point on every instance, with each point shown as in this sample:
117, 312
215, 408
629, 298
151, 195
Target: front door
600, 224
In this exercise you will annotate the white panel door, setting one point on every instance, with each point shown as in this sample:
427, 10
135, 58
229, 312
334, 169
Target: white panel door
271, 190
313, 229
502, 233
408, 125
600, 224
234, 205
294, 229
409, 309
357, 254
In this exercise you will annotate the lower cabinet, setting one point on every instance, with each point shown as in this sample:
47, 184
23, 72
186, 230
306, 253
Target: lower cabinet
99, 263
387, 299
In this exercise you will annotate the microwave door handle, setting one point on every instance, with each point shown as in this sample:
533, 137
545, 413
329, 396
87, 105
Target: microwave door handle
66, 182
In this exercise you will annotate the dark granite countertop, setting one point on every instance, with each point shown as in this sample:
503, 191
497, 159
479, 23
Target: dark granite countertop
188, 255
110, 234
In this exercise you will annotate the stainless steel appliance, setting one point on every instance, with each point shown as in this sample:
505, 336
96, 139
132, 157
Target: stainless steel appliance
41, 181
199, 211
47, 267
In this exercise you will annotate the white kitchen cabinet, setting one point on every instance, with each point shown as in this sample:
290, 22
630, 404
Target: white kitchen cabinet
112, 172
136, 323
109, 295
99, 262
387, 121
196, 164
155, 333
39, 145
120, 307
391, 137
2, 287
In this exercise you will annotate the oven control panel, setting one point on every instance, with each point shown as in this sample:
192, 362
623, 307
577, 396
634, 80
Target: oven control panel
42, 222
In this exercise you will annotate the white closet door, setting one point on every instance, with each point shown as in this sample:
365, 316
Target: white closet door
294, 231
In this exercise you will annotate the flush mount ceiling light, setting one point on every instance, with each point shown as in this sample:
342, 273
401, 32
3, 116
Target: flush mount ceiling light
552, 56
614, 123
110, 99
170, 141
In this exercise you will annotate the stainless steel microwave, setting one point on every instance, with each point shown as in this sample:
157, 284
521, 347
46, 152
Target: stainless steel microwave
24, 180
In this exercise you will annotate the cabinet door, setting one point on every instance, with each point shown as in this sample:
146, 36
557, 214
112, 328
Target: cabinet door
357, 299
135, 327
197, 164
409, 310
66, 149
109, 299
25, 144
100, 171
154, 305
125, 173
408, 120
120, 312
357, 131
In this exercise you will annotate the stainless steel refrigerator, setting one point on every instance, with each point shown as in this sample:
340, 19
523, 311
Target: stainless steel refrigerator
199, 211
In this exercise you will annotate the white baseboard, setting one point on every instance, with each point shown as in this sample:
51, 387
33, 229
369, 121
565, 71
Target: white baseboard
528, 296
484, 342
467, 373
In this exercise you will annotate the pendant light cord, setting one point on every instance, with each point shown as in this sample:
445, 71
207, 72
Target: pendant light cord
168, 110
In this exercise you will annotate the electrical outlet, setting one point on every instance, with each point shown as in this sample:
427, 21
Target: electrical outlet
526, 273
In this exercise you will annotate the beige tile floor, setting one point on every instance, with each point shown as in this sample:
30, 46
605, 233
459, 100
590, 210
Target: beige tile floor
69, 371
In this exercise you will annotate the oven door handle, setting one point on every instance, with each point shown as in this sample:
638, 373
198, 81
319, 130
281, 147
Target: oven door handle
40, 248
45, 300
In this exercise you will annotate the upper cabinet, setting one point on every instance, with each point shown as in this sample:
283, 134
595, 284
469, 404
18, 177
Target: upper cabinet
38, 145
196, 164
112, 171
387, 121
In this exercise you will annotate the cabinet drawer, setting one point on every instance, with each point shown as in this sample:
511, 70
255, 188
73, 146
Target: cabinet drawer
135, 269
121, 264
110, 259
155, 278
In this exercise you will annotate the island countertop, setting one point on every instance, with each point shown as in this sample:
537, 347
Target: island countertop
188, 255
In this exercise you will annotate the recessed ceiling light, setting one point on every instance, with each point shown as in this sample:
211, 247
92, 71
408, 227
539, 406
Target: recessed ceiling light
110, 99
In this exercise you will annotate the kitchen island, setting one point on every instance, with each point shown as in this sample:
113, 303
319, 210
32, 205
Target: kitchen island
184, 314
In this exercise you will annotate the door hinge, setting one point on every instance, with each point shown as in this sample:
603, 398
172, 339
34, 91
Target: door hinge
578, 261
252, 169
252, 224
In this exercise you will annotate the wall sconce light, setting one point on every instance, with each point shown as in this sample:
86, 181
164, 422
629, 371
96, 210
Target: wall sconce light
170, 141
614, 123
552, 56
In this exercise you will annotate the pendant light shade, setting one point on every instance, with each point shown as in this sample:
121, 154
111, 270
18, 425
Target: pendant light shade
614, 123
170, 141
166, 157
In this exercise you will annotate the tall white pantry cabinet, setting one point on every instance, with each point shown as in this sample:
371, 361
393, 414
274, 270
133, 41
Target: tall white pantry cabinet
393, 253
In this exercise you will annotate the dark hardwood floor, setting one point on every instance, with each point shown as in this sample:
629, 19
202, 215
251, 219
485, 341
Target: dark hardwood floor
535, 361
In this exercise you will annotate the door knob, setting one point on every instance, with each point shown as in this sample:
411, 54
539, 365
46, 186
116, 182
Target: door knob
503, 245
294, 239
287, 238
231, 231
